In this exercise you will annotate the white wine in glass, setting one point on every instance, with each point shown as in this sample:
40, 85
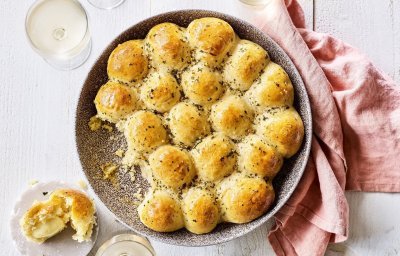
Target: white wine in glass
106, 4
126, 245
58, 30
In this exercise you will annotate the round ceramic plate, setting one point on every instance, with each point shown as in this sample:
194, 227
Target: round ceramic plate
61, 244
96, 148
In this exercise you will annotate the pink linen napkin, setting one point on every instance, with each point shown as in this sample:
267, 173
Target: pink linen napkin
356, 139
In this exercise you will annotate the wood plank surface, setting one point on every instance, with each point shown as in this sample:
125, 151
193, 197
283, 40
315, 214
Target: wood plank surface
37, 107
372, 26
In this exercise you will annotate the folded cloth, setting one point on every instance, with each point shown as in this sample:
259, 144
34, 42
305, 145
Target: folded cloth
356, 132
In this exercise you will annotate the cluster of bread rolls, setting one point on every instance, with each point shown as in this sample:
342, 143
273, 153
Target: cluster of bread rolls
212, 117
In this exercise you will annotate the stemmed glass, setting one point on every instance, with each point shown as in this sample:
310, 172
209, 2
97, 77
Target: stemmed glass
58, 31
255, 2
106, 4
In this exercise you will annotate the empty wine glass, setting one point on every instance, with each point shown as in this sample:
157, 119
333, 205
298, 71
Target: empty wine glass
58, 31
106, 4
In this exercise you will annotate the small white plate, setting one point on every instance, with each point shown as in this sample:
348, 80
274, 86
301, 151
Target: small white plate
61, 244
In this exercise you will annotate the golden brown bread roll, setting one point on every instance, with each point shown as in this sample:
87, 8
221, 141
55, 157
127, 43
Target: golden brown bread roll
273, 89
81, 212
160, 92
211, 38
232, 116
167, 47
214, 157
187, 124
243, 199
258, 157
127, 62
202, 85
144, 132
200, 210
245, 65
160, 211
115, 101
283, 128
46, 219
171, 167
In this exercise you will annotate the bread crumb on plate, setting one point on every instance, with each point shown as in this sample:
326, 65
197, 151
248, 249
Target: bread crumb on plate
82, 184
33, 182
94, 123
120, 152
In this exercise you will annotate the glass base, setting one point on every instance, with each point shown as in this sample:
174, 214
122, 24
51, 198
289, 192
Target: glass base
74, 62
255, 2
106, 4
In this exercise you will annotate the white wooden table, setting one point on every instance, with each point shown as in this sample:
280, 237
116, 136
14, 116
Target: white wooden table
37, 110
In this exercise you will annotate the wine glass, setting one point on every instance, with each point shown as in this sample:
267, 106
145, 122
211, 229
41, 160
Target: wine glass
58, 31
126, 245
106, 4
255, 2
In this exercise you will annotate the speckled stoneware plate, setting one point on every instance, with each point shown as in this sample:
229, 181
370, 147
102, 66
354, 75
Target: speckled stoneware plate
95, 148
